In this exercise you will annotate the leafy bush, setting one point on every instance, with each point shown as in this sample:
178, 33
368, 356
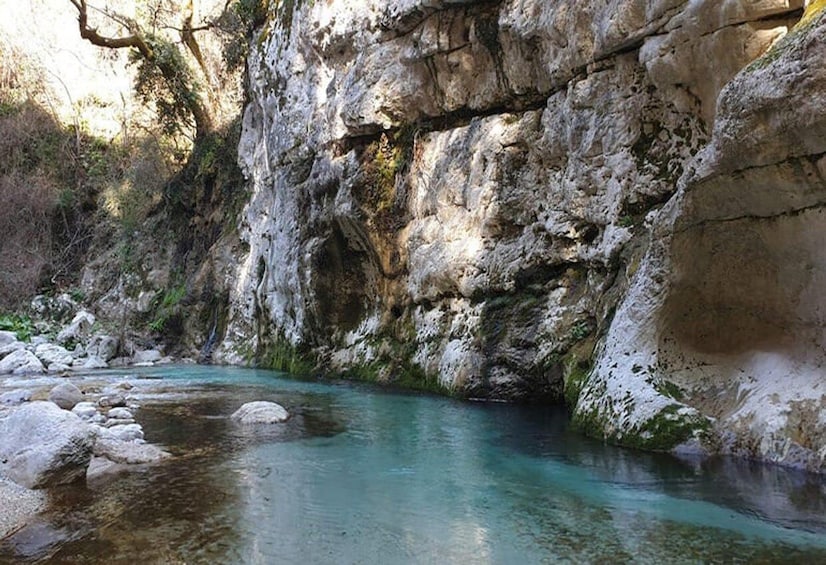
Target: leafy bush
20, 325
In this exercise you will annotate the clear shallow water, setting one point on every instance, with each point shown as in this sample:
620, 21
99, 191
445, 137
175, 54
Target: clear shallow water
361, 475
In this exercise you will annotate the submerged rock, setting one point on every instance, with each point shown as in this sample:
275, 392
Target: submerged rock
261, 412
128, 452
42, 445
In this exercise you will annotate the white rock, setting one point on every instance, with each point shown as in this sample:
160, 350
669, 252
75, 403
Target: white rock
20, 362
126, 432
120, 413
11, 346
50, 354
130, 453
147, 356
58, 368
261, 412
15, 397
104, 347
78, 329
42, 445
7, 337
85, 410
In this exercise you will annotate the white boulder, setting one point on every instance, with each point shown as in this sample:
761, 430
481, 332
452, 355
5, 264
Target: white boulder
51, 354
19, 362
261, 412
42, 445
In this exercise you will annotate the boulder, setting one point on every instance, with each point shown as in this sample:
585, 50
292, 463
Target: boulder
79, 328
148, 356
85, 410
103, 347
66, 395
261, 412
120, 414
10, 347
51, 354
42, 445
128, 432
19, 362
58, 308
15, 397
7, 337
128, 452
89, 363
58, 368
112, 400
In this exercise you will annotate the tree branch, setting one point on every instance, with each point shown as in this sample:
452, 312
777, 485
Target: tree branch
91, 34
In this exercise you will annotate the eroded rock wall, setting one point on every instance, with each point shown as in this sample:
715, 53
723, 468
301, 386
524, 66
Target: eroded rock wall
462, 193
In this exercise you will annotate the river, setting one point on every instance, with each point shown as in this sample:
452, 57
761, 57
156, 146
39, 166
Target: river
365, 475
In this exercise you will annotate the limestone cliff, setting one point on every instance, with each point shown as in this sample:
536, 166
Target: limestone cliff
615, 202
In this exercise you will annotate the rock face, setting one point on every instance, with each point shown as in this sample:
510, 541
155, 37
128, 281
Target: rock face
42, 445
261, 412
525, 200
723, 325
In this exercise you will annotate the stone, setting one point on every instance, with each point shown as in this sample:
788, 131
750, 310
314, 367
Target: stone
89, 363
51, 354
79, 328
10, 347
21, 362
58, 308
42, 445
7, 337
119, 414
129, 453
112, 400
85, 410
66, 395
260, 412
147, 356
126, 432
15, 397
103, 347
111, 423
58, 368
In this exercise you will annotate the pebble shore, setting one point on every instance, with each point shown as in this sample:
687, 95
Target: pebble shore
18, 506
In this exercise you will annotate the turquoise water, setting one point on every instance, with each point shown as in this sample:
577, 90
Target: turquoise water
361, 475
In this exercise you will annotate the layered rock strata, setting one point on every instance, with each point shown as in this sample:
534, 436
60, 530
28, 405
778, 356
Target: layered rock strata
473, 195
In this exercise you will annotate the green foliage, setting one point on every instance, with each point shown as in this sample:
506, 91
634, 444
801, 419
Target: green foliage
278, 354
77, 294
167, 82
21, 325
581, 330
166, 308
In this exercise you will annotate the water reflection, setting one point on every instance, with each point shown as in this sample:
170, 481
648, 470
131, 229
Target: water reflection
362, 476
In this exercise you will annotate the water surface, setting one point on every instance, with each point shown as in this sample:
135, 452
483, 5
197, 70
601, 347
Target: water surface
362, 475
